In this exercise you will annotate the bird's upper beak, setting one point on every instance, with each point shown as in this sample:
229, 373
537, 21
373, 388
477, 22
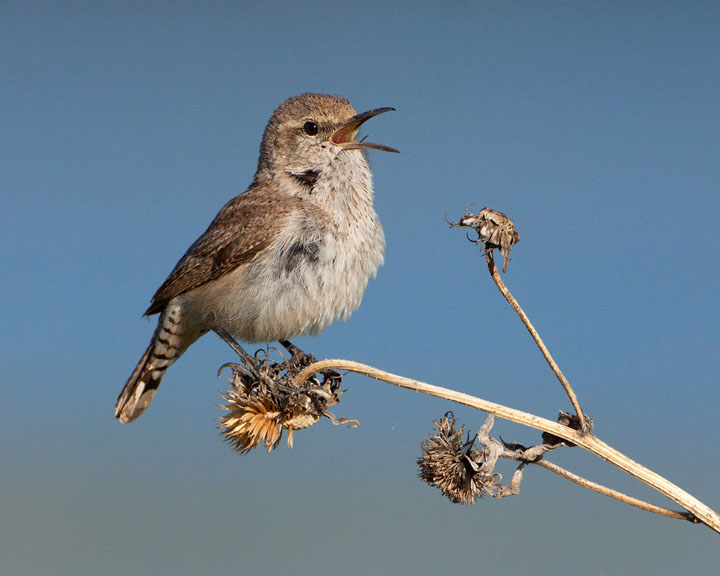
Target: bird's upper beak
345, 135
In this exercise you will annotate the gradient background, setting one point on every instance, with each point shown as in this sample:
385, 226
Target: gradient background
595, 126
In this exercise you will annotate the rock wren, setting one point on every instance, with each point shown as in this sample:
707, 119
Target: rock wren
289, 256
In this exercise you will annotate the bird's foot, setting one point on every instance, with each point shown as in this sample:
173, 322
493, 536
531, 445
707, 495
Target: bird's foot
298, 359
250, 363
294, 350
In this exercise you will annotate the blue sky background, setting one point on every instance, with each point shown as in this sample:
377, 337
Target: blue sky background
595, 126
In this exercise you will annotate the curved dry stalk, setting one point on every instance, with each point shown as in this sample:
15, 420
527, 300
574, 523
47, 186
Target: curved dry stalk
588, 441
600, 489
584, 424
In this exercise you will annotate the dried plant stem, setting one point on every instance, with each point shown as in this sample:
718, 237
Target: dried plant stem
600, 489
540, 344
588, 441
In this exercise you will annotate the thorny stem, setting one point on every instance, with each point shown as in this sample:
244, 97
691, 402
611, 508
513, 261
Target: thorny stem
588, 441
584, 425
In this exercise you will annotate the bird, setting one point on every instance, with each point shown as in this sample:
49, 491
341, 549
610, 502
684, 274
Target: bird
287, 257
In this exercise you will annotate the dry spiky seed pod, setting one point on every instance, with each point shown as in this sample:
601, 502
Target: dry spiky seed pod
494, 229
461, 472
570, 420
257, 419
259, 409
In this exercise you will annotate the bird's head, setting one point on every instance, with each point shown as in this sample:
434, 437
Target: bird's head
308, 132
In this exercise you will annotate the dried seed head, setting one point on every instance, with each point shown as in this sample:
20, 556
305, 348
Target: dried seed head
494, 229
461, 472
569, 420
259, 409
257, 419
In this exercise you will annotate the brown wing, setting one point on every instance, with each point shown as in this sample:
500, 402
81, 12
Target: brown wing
244, 226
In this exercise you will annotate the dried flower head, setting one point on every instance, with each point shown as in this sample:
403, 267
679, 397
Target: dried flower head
461, 471
494, 229
569, 420
263, 401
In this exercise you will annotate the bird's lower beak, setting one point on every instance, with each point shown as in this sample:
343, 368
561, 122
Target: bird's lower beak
345, 135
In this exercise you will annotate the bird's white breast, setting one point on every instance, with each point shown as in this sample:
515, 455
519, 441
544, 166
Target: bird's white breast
313, 273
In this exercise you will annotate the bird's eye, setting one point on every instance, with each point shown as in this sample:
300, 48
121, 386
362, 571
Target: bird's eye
310, 128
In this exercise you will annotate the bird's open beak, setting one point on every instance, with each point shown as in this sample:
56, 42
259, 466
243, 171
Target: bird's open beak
345, 135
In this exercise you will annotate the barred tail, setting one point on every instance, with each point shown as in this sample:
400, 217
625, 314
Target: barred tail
170, 340
140, 388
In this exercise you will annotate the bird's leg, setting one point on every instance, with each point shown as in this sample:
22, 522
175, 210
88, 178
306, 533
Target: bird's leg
299, 359
250, 361
302, 359
294, 350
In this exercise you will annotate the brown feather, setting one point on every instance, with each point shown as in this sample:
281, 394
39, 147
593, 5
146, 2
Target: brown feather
239, 231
